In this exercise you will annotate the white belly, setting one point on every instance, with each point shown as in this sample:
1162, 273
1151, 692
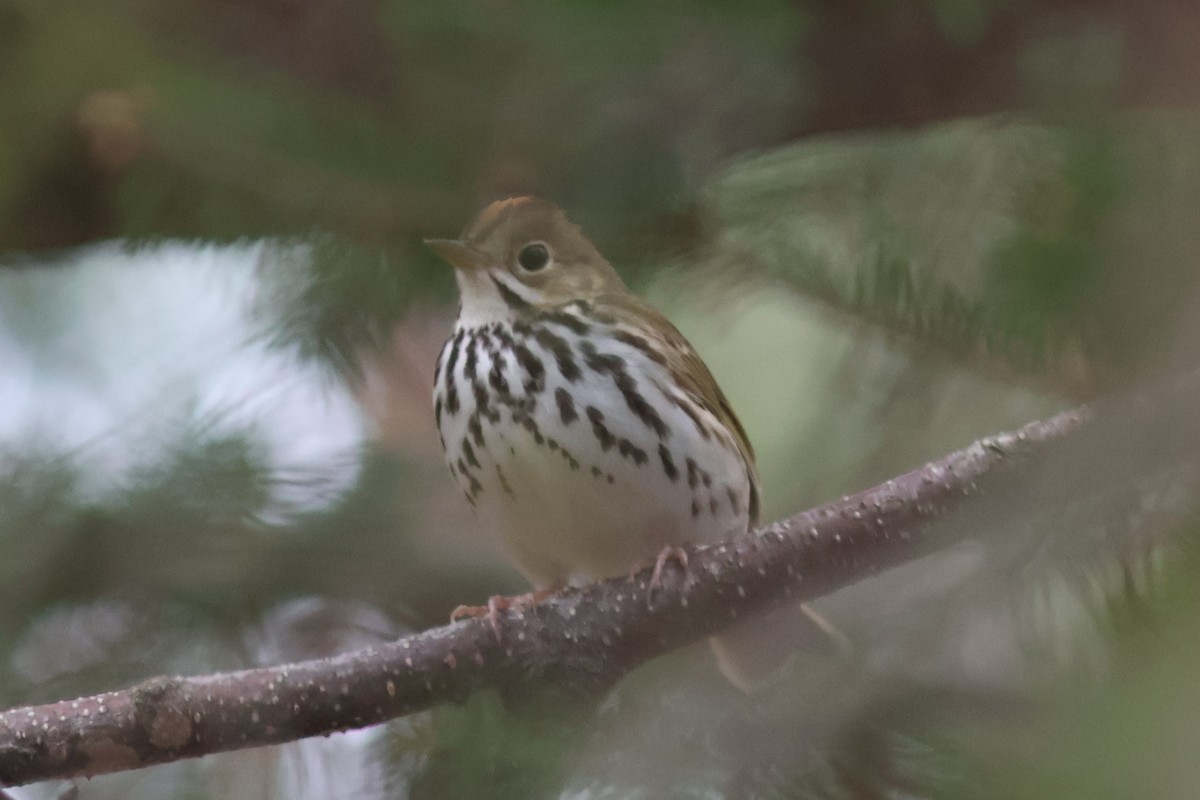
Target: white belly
579, 485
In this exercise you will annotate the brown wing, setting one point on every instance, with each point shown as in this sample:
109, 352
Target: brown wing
689, 372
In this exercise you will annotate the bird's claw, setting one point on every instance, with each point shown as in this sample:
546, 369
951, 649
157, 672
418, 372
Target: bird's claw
497, 603
668, 553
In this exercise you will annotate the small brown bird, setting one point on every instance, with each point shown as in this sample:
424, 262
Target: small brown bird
578, 417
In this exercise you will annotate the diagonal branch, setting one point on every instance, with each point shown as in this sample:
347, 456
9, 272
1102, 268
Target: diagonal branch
580, 640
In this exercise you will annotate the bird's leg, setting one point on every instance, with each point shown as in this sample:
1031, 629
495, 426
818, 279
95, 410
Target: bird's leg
499, 602
668, 553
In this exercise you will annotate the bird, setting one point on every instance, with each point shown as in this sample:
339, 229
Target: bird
579, 419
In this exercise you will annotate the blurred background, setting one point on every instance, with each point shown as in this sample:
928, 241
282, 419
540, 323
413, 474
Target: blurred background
889, 228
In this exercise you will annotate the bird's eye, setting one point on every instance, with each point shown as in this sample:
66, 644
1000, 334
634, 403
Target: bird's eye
533, 257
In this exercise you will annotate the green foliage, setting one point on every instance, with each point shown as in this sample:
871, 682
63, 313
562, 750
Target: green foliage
910, 232
991, 243
568, 100
488, 749
330, 300
36, 494
1122, 736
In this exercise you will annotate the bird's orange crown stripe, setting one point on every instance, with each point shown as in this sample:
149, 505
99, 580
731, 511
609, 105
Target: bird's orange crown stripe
493, 211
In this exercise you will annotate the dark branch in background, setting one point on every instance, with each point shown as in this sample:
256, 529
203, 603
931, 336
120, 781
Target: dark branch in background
581, 641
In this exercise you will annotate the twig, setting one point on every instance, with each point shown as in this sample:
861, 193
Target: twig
582, 641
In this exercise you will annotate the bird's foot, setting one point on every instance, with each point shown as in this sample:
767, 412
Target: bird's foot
668, 553
499, 602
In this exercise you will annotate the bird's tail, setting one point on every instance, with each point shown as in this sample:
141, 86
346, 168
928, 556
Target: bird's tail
750, 652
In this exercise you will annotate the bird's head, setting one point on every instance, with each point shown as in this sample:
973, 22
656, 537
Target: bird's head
522, 255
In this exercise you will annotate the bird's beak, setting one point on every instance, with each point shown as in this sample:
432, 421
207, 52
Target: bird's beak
458, 254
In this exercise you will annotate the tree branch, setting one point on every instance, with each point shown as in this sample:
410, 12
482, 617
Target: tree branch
582, 640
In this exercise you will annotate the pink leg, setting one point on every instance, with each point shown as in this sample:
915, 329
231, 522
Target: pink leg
498, 602
668, 553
